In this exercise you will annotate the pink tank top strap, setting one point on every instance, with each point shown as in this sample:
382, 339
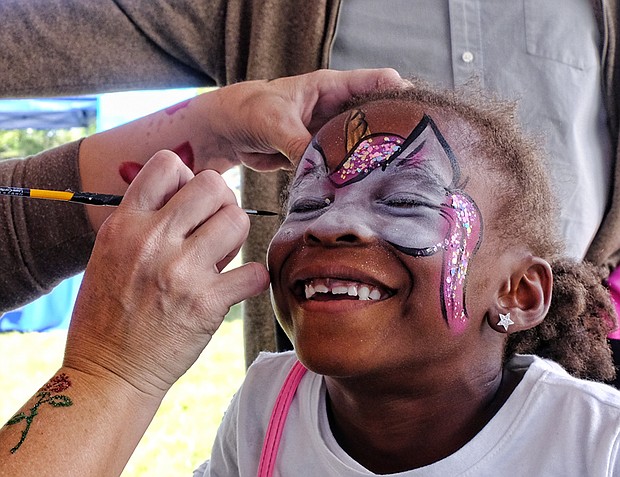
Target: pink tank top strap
278, 419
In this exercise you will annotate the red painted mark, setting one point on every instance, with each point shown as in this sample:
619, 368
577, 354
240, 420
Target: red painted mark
58, 384
129, 171
186, 153
176, 107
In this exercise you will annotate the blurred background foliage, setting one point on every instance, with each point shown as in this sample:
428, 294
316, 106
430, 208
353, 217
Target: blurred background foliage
26, 142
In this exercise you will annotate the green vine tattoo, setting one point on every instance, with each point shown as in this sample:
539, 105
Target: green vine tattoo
50, 394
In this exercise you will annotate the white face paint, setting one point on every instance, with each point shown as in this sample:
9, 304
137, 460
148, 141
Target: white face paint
376, 243
404, 191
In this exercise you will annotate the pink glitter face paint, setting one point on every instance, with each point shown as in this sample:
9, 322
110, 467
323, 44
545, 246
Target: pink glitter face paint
412, 197
460, 245
371, 153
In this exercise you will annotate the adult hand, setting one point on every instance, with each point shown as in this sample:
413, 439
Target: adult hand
153, 293
267, 125
264, 125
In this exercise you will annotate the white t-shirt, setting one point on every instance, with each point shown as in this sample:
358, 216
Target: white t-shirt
551, 425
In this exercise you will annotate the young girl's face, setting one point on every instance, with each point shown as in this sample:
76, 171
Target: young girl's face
374, 255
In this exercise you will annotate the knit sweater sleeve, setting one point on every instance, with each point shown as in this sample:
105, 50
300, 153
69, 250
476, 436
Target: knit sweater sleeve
41, 242
64, 47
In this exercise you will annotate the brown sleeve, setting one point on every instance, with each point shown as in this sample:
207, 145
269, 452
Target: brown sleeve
65, 47
41, 241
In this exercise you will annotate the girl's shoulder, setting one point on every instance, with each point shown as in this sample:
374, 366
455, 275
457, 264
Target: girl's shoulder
271, 367
547, 376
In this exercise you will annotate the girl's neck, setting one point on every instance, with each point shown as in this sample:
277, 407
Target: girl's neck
389, 433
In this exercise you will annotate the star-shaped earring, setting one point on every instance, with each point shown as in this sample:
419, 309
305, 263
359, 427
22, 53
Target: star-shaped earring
505, 321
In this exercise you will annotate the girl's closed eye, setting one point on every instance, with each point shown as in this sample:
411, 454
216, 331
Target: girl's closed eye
407, 201
308, 205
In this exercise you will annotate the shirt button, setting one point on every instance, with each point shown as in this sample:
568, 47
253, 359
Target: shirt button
468, 57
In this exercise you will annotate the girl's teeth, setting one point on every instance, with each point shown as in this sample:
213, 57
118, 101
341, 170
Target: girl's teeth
321, 288
363, 292
375, 294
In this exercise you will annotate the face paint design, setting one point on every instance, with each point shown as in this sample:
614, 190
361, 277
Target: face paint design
460, 245
367, 152
435, 215
372, 153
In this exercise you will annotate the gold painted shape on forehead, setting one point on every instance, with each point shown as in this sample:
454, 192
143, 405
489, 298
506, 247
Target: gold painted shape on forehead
355, 128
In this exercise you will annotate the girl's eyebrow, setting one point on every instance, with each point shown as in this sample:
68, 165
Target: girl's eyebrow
311, 165
425, 177
411, 158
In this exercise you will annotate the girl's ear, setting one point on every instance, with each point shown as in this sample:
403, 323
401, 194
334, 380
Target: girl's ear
524, 299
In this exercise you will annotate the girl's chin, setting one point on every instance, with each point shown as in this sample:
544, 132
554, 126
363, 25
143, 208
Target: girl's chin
334, 360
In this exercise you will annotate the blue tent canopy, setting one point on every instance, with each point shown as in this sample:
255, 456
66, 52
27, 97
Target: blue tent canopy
48, 113
52, 310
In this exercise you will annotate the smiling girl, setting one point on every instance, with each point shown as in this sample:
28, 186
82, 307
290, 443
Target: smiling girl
438, 330
416, 258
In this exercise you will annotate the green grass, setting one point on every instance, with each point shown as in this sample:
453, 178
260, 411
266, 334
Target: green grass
183, 430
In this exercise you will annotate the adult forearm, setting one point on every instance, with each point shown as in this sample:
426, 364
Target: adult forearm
77, 424
150, 301
260, 124
109, 160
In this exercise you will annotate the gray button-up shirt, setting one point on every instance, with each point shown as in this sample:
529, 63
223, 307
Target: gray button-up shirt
545, 53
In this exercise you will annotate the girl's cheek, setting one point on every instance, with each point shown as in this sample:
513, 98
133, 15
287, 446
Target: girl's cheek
279, 244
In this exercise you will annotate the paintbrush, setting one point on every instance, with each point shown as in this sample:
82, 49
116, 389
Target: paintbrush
84, 197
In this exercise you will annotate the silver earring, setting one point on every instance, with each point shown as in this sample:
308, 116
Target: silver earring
505, 321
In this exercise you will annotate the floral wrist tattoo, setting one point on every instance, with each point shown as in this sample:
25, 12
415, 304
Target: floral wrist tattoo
49, 394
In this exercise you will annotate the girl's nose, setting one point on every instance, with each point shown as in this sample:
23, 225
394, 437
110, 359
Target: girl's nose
338, 228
